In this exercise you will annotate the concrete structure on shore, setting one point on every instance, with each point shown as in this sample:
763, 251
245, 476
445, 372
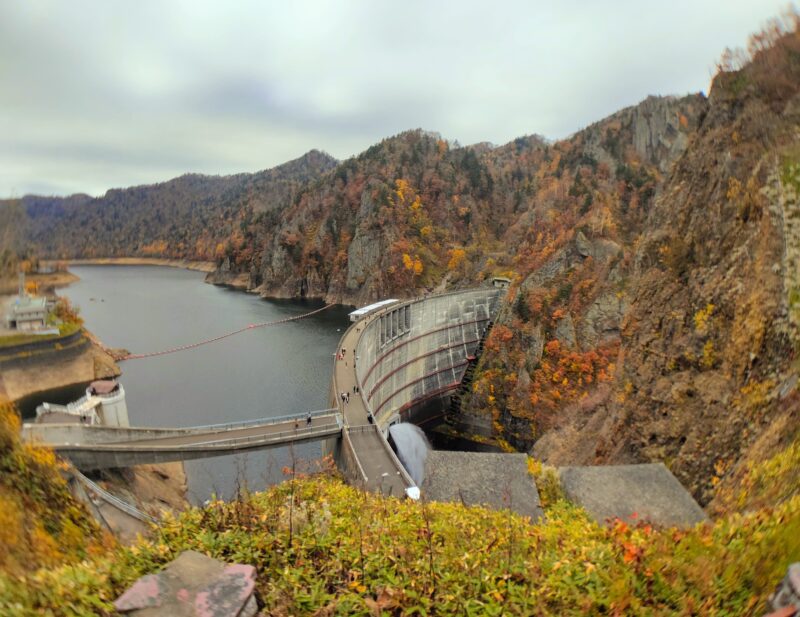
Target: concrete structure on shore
27, 314
631, 492
394, 361
104, 403
494, 480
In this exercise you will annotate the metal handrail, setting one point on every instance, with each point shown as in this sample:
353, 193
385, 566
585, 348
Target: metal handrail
266, 421
361, 428
113, 500
334, 378
374, 428
327, 429
349, 444
307, 430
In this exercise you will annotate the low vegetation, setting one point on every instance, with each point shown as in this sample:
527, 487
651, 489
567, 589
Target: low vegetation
324, 548
40, 523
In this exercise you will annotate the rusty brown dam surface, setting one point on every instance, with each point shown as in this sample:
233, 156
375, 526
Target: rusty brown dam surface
261, 373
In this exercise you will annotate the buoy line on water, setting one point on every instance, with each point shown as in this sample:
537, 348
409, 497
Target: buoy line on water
252, 326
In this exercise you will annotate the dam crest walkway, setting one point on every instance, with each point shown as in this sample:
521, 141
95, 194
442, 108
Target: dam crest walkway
98, 447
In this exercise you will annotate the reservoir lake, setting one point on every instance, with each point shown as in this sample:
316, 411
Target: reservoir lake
260, 373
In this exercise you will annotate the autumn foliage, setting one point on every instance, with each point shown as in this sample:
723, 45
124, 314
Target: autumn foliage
40, 522
321, 547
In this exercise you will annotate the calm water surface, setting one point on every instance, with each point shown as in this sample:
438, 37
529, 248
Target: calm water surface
260, 373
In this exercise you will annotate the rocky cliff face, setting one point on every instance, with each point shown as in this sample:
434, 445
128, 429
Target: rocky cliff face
389, 221
702, 305
658, 130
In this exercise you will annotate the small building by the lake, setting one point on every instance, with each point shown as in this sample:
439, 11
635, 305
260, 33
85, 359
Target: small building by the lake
27, 314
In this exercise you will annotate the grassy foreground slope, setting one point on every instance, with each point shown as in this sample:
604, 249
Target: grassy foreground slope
324, 548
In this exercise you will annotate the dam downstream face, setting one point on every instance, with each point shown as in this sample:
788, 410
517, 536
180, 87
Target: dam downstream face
261, 373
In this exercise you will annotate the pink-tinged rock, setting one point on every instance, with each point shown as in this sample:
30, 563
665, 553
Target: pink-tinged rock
144, 593
193, 585
228, 593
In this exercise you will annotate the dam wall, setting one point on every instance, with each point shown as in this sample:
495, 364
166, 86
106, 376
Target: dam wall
416, 351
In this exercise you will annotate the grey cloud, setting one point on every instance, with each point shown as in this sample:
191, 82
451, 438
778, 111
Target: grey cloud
96, 94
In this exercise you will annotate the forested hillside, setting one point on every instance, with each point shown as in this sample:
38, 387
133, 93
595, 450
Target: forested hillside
191, 217
653, 256
414, 213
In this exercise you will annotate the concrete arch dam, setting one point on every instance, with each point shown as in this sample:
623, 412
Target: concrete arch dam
401, 357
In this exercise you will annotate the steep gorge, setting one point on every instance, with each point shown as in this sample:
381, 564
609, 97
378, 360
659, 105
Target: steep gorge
653, 258
700, 330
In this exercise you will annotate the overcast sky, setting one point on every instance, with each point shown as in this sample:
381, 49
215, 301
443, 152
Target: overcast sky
102, 94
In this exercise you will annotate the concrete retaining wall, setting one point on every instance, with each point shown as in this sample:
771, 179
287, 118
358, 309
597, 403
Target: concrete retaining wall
43, 352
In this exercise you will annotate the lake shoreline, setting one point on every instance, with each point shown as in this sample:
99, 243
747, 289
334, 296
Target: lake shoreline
46, 282
153, 488
261, 373
58, 365
186, 264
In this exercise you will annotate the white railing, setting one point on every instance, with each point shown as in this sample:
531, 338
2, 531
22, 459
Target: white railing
349, 444
374, 428
331, 428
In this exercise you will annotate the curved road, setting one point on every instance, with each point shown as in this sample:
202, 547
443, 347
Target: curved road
373, 453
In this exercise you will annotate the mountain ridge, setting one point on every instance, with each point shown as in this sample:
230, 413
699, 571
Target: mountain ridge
610, 347
131, 221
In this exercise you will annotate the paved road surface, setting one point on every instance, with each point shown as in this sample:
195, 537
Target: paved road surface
378, 465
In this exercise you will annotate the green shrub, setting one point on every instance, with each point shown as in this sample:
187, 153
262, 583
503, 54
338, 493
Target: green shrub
350, 553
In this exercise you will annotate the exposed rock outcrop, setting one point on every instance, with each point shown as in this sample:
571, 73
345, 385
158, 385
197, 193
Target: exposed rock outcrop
706, 313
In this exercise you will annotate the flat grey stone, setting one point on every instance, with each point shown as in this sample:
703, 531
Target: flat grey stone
646, 492
193, 585
499, 481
